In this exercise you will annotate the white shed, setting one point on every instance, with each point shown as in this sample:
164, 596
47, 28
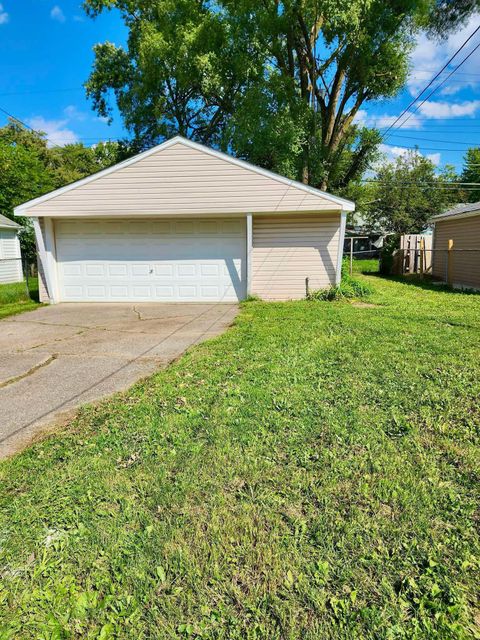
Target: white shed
10, 256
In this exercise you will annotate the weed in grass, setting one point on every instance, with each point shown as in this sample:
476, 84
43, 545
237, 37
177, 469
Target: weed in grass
349, 288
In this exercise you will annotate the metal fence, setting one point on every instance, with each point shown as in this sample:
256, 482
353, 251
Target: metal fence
27, 270
453, 265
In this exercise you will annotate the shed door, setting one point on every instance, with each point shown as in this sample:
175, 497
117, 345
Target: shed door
163, 260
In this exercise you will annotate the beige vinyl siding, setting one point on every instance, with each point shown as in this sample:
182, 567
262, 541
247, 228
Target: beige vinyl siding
465, 233
288, 249
181, 180
10, 262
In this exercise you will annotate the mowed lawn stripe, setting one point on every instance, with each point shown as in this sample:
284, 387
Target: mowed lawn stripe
312, 473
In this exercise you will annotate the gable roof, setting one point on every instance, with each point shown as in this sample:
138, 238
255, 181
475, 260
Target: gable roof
6, 223
460, 211
283, 191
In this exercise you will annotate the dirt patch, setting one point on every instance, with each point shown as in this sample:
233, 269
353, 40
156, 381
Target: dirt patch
365, 305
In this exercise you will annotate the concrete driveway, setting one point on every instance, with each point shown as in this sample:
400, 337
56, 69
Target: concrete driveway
59, 357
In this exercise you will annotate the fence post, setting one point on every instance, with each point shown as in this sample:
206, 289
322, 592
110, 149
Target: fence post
422, 255
351, 256
450, 262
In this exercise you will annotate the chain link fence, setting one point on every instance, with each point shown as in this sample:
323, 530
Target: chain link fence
28, 272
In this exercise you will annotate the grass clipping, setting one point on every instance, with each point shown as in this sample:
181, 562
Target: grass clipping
349, 288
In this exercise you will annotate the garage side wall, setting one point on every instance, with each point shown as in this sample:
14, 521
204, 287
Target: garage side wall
288, 249
465, 233
42, 283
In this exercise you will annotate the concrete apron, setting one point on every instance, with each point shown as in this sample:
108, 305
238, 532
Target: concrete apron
56, 358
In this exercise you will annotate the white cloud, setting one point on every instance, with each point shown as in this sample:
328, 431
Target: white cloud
4, 17
434, 157
72, 113
429, 56
78, 19
57, 14
432, 109
392, 152
56, 131
383, 121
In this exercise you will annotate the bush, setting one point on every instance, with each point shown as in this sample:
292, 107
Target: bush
348, 288
386, 258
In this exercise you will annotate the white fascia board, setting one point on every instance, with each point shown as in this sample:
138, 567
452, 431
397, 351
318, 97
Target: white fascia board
341, 242
345, 205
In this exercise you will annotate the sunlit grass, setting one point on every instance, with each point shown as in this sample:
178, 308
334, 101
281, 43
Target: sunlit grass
313, 473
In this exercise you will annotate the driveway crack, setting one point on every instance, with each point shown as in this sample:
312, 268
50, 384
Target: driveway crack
46, 362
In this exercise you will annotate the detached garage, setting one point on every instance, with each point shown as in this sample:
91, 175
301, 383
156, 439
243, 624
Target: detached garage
183, 222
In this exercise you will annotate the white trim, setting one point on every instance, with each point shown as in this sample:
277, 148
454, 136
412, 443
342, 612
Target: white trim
341, 241
51, 254
346, 205
249, 252
42, 254
10, 227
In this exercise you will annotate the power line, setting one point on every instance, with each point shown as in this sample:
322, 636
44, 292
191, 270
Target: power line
426, 182
403, 146
433, 79
24, 124
470, 144
39, 92
443, 81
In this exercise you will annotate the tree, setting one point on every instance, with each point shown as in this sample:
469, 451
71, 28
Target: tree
29, 168
279, 82
471, 173
447, 15
405, 194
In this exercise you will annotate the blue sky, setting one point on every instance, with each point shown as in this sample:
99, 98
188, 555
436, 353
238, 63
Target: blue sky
46, 55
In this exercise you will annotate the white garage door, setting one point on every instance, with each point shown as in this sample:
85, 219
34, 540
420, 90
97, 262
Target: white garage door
161, 260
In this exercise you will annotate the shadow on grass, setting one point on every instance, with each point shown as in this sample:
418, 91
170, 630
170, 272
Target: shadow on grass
33, 289
427, 283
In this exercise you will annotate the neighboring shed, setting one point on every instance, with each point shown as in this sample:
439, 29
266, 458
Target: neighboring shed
183, 222
462, 226
10, 256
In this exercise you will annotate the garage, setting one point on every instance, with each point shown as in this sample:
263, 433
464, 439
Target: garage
182, 222
168, 260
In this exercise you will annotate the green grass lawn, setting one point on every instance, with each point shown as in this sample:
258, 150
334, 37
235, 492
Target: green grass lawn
14, 298
311, 474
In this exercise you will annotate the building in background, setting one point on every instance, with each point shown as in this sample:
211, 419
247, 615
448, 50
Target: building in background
458, 229
10, 255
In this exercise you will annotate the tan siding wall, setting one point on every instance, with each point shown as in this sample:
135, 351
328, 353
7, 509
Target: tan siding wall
180, 179
288, 249
465, 233
10, 264
42, 283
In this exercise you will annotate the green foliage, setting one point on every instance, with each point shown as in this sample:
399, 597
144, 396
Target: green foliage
278, 83
29, 168
348, 288
312, 473
391, 244
406, 193
448, 15
471, 173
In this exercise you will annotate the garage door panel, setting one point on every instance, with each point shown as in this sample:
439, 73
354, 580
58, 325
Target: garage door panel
168, 260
